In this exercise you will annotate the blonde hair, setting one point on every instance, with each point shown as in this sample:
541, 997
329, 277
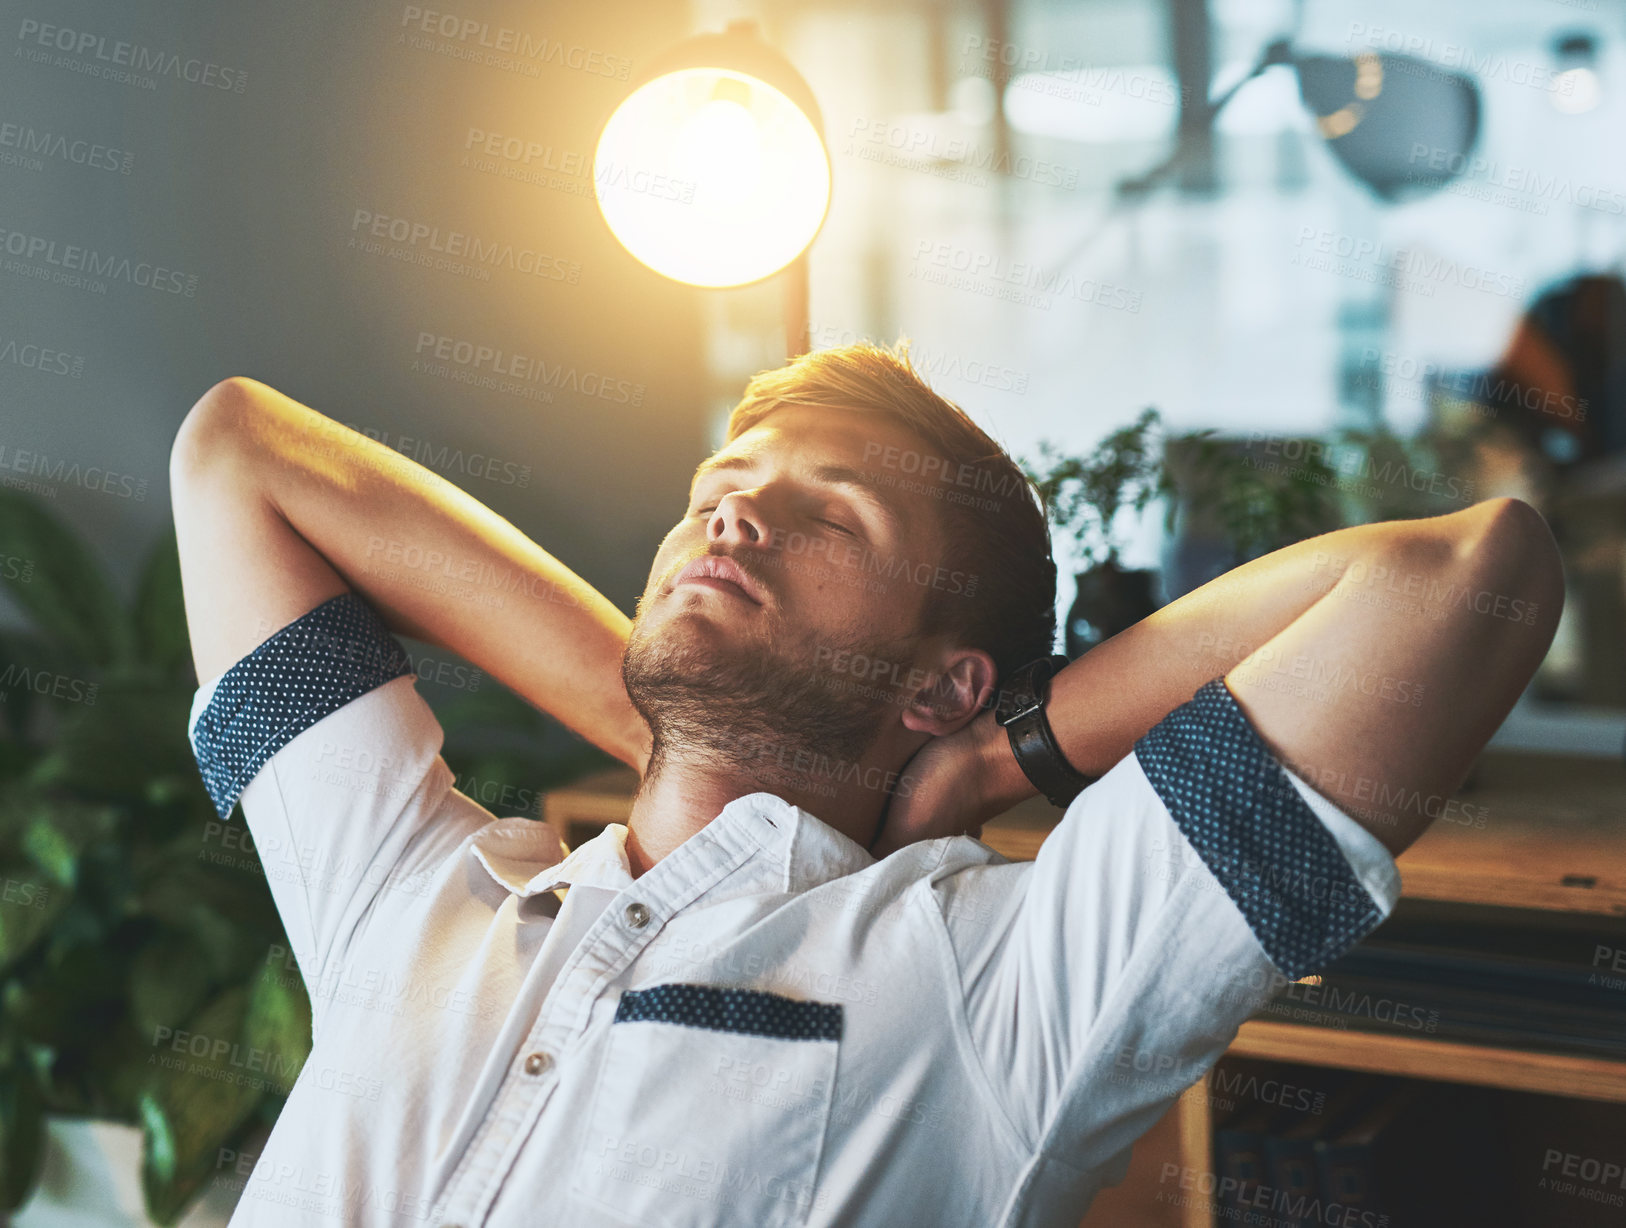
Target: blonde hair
994, 527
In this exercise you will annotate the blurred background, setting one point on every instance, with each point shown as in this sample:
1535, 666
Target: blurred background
1360, 261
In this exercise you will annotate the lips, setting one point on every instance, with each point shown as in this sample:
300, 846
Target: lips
721, 567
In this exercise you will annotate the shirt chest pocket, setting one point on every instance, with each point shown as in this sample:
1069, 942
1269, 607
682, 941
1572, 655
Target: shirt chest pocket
710, 1108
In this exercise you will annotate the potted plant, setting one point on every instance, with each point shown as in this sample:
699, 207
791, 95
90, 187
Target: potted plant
1082, 497
1234, 498
130, 916
1227, 501
119, 933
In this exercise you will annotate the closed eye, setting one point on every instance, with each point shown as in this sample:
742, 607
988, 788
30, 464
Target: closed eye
833, 525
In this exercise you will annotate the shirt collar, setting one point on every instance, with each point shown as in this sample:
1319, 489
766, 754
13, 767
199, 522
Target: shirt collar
528, 857
801, 850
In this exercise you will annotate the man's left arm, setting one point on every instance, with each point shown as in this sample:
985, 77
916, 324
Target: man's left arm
1197, 878
1375, 660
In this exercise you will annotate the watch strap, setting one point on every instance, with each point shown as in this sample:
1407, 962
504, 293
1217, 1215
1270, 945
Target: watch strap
1022, 711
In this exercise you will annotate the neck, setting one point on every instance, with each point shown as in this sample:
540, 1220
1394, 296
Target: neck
682, 793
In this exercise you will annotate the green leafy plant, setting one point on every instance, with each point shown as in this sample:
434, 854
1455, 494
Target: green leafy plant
121, 925
114, 934
1252, 503
1385, 476
1083, 494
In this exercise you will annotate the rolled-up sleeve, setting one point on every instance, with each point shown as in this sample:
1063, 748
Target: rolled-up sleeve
321, 735
1179, 893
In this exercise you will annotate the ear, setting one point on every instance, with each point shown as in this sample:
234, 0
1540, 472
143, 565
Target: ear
954, 695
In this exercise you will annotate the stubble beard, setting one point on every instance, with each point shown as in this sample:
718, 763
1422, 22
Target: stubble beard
768, 713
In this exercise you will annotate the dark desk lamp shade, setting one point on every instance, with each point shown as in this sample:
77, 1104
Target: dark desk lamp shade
1398, 124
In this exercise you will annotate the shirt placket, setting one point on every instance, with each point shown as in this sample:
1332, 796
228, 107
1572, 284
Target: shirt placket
628, 926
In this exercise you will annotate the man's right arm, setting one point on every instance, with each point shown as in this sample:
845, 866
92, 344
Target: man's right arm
1224, 852
279, 508
1379, 655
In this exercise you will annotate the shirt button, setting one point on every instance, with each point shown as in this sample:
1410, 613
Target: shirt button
536, 1063
637, 915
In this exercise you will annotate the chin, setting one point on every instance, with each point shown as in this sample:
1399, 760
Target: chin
687, 640
710, 688
686, 623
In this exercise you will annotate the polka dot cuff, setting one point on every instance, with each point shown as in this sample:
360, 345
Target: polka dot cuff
1233, 801
313, 666
732, 1010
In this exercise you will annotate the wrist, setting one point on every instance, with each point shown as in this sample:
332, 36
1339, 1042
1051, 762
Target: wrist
1001, 781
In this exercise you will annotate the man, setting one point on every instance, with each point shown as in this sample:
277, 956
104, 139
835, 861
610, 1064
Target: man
789, 990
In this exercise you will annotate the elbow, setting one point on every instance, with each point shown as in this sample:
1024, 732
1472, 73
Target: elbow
210, 428
1509, 547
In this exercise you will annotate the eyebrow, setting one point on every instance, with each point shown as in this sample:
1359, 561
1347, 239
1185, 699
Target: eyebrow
845, 476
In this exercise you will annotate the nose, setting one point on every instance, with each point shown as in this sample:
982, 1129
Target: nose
738, 520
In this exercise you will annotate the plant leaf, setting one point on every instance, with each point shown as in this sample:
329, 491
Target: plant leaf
279, 1024
198, 1099
229, 915
168, 982
157, 1142
22, 1134
160, 613
61, 583
55, 831
491, 706
112, 747
1082, 495
28, 907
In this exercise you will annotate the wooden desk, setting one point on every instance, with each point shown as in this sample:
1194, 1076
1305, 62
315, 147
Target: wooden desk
1554, 833
1554, 838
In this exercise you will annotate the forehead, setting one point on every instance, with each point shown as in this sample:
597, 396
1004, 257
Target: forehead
815, 434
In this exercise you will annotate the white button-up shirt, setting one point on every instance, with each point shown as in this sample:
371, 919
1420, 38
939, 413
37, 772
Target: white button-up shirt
769, 1028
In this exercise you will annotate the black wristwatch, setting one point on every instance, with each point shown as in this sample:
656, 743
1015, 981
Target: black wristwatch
1021, 710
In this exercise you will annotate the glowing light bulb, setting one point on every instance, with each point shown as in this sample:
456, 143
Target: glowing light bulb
720, 149
712, 177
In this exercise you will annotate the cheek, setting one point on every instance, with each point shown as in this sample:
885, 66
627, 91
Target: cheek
837, 596
674, 546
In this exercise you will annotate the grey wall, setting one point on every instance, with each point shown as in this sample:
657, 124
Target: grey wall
243, 187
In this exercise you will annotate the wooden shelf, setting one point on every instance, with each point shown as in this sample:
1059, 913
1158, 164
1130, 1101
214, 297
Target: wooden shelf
1558, 1074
